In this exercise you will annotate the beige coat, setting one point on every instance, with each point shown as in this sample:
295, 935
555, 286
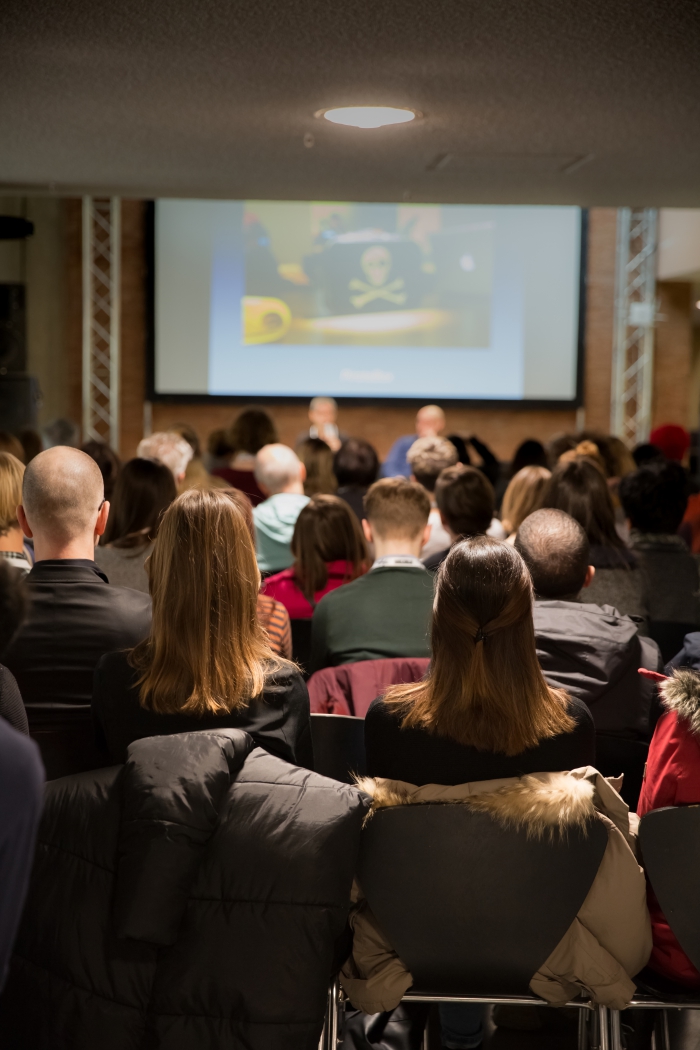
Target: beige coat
609, 940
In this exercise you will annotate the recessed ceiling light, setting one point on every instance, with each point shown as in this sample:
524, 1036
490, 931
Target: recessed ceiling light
367, 116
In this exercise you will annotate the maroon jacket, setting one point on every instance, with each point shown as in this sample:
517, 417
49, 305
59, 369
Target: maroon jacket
350, 688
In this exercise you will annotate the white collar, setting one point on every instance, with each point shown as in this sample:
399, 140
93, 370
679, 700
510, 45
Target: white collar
398, 561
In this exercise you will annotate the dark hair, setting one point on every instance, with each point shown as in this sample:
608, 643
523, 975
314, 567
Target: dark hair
647, 453
10, 443
31, 443
14, 603
326, 530
356, 463
107, 460
529, 453
317, 457
465, 499
251, 431
556, 551
558, 445
484, 688
655, 497
190, 435
579, 489
143, 491
219, 444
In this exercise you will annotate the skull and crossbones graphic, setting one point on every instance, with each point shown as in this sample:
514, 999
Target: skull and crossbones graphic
376, 264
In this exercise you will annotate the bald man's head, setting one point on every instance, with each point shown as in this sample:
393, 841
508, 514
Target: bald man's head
61, 493
277, 467
430, 421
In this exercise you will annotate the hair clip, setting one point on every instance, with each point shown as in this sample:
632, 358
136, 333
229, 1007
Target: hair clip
479, 636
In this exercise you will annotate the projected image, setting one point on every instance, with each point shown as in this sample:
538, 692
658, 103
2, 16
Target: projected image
366, 274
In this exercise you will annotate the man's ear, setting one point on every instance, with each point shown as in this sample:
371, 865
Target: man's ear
367, 529
590, 573
101, 523
23, 523
302, 473
426, 534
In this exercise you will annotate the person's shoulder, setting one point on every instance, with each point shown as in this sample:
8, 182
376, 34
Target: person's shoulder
580, 712
116, 662
347, 592
380, 712
434, 561
130, 599
283, 676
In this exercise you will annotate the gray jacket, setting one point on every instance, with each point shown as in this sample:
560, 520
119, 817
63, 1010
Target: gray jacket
594, 652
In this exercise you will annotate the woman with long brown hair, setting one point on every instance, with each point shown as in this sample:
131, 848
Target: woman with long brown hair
484, 711
206, 663
329, 550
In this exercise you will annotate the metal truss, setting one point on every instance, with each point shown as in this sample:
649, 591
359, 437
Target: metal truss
635, 313
101, 314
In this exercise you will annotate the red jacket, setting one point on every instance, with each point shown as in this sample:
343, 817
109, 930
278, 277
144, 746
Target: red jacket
672, 778
283, 587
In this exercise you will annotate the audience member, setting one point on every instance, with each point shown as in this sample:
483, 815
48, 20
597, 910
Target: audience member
251, 431
384, 613
317, 458
485, 710
206, 663
489, 464
356, 466
522, 496
168, 448
592, 652
323, 423
465, 501
196, 475
529, 453
585, 449
481, 720
31, 443
219, 451
75, 615
619, 459
143, 491
107, 460
578, 488
430, 422
646, 453
61, 432
654, 499
672, 778
11, 536
272, 615
280, 477
558, 445
427, 458
21, 796
672, 440
14, 605
9, 443
329, 550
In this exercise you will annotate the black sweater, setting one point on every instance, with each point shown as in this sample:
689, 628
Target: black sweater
278, 720
419, 757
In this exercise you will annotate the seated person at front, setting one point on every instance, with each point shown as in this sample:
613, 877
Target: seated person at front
484, 712
386, 612
465, 501
206, 663
592, 651
428, 457
75, 615
329, 550
280, 475
672, 778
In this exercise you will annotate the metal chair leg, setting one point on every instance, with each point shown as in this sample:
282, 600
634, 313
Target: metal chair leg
661, 1033
583, 1030
615, 1035
331, 1025
603, 1023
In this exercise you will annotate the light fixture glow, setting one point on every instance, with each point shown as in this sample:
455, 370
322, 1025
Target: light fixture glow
368, 116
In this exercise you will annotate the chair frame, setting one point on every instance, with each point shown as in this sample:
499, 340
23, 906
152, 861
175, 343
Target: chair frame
649, 1002
593, 1031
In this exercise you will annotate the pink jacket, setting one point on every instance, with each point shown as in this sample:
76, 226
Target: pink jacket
284, 588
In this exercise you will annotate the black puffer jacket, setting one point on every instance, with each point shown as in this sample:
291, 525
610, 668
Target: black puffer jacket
193, 898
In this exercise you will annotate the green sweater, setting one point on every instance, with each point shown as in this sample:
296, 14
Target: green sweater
384, 613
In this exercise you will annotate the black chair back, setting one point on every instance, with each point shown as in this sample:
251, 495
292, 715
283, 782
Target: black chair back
670, 843
301, 643
339, 746
65, 735
615, 755
669, 636
468, 904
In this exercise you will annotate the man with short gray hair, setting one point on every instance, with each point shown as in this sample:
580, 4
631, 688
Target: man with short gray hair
75, 615
280, 474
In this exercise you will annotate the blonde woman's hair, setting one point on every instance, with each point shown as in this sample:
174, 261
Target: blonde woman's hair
11, 475
523, 496
206, 653
484, 688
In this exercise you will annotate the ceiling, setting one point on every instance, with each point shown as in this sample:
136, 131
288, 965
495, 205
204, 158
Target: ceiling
592, 102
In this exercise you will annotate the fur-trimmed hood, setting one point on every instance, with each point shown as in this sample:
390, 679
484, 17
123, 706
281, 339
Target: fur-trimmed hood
541, 803
681, 693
